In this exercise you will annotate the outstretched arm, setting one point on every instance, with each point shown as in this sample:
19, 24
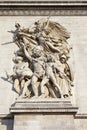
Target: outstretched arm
53, 48
27, 54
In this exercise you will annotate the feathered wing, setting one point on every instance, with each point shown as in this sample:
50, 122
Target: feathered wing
56, 30
58, 35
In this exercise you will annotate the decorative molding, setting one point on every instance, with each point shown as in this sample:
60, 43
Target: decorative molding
43, 12
81, 116
43, 2
43, 106
43, 7
10, 116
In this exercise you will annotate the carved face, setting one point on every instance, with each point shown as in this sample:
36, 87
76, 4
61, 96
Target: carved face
50, 58
37, 26
63, 60
37, 51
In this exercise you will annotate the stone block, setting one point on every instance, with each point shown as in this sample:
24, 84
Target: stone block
43, 114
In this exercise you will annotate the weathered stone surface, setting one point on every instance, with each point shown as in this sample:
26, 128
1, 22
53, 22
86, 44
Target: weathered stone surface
81, 124
43, 114
43, 105
43, 122
6, 122
78, 28
78, 39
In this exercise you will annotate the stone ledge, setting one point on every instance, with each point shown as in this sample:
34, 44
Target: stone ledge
43, 3
10, 116
49, 106
6, 116
43, 7
81, 116
43, 11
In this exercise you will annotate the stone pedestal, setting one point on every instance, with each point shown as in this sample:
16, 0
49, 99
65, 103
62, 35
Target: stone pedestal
47, 114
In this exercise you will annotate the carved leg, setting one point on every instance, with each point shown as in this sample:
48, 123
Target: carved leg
53, 80
50, 74
17, 86
34, 87
27, 83
42, 85
22, 83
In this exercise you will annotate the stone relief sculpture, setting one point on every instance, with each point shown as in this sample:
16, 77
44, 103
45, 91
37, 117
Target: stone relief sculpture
41, 67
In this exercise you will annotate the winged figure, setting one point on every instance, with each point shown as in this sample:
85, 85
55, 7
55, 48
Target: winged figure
45, 50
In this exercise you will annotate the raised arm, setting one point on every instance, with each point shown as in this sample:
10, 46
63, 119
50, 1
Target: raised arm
27, 54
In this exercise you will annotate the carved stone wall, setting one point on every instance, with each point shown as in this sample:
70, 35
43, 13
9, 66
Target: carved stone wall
74, 17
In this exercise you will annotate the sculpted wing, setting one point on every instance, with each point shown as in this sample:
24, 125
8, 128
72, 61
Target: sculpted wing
56, 30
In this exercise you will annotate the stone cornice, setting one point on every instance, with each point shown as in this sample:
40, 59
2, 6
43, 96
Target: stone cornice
42, 12
43, 7
10, 116
43, 106
43, 3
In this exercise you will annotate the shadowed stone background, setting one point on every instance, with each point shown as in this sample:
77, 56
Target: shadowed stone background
77, 26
